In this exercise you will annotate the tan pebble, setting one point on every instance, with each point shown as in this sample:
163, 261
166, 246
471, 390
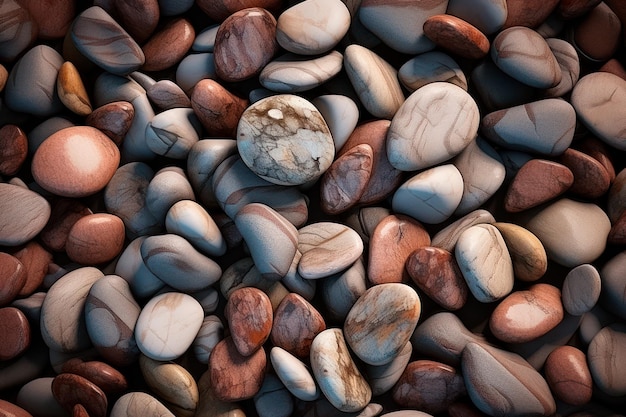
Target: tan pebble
530, 261
95, 239
71, 90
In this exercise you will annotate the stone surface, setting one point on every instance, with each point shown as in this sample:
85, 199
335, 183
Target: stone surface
581, 289
191, 221
341, 114
210, 405
38, 262
605, 349
25, 213
17, 31
13, 149
528, 13
285, 140
296, 323
530, 261
71, 389
294, 374
447, 237
291, 73
71, 90
382, 378
107, 378
569, 63
208, 336
422, 134
168, 46
249, 315
130, 266
217, 108
173, 132
600, 20
95, 239
429, 67
15, 333
456, 36
113, 119
136, 403
487, 15
12, 277
568, 375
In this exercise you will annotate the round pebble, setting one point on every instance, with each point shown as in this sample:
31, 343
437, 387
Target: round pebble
15, 332
95, 239
568, 375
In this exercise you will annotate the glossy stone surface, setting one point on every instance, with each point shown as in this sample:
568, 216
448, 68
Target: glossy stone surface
568, 375
530, 261
457, 36
15, 332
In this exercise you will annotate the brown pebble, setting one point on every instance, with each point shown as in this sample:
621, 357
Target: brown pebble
139, 17
72, 389
12, 277
456, 36
53, 17
107, 378
568, 375
614, 67
35, 259
591, 179
529, 13
169, 45
71, 90
65, 212
617, 234
79, 411
598, 150
8, 409
249, 315
599, 35
14, 333
13, 149
113, 119
217, 108
4, 75
95, 239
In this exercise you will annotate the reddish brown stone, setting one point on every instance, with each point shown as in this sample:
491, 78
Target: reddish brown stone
11, 410
599, 35
598, 150
384, 178
53, 17
529, 13
65, 212
79, 411
617, 234
536, 182
393, 241
112, 119
591, 180
107, 378
12, 277
456, 36
435, 271
568, 375
14, 333
4, 75
249, 315
95, 239
235, 377
296, 323
169, 45
138, 17
219, 10
13, 149
218, 109
571, 9
614, 67
71, 389
416, 386
36, 260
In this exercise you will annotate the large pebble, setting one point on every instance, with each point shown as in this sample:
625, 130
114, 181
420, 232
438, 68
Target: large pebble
422, 134
285, 140
485, 262
591, 178
397, 309
294, 374
431, 67
457, 36
24, 214
568, 375
95, 239
291, 73
107, 378
210, 405
336, 373
167, 325
274, 399
169, 45
606, 349
250, 317
113, 119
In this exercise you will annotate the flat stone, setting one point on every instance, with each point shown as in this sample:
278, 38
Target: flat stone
291, 73
528, 13
95, 239
341, 291
436, 273
107, 378
25, 213
382, 378
317, 241
591, 179
421, 124
397, 309
457, 36
530, 261
447, 237
487, 15
169, 45
12, 277
135, 404
249, 315
336, 373
568, 375
167, 325
430, 67
13, 149
211, 332
584, 225
485, 262
15, 332
276, 123
374, 80
328, 20
113, 119
430, 196
294, 374
71, 389
569, 63
532, 127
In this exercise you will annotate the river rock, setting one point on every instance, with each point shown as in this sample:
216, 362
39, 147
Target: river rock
191, 221
291, 73
95, 239
169, 45
18, 31
130, 266
528, 13
173, 132
36, 397
294, 374
168, 186
341, 115
591, 178
71, 90
606, 347
569, 63
166, 95
457, 36
530, 261
430, 67
107, 378
25, 213
15, 332
568, 375
71, 389
581, 289
447, 237
135, 404
341, 291
113, 119
249, 315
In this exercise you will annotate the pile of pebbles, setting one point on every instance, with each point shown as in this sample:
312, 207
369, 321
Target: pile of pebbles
318, 208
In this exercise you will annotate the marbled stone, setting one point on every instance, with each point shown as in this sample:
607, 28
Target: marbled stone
136, 403
336, 373
591, 179
15, 333
341, 291
569, 63
606, 349
71, 389
485, 262
91, 31
24, 214
113, 119
374, 80
107, 378
130, 266
530, 261
430, 67
291, 73
167, 325
435, 272
173, 132
249, 315
422, 134
294, 374
487, 15
13, 149
95, 239
191, 221
208, 336
17, 30
568, 375
313, 26
430, 196
457, 36
447, 237
396, 308
169, 45
166, 95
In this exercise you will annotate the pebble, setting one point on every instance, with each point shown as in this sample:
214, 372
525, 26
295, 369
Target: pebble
15, 331
591, 179
202, 161
341, 291
113, 119
341, 114
497, 90
530, 261
25, 213
169, 45
607, 348
294, 374
536, 182
400, 26
12, 277
217, 109
9, 409
208, 336
36, 260
95, 239
374, 80
111, 313
18, 31
130, 266
135, 404
613, 285
173, 132
294, 282
271, 239
234, 59
171, 383
532, 127
584, 225
431, 196
63, 324
528, 13
597, 98
600, 21
317, 241
291, 73
36, 397
487, 15
167, 325
581, 289
71, 90
393, 240
430, 67
397, 309
436, 273
71, 389
140, 17
485, 262
168, 187
191, 221
568, 375
211, 406
569, 63
107, 378
416, 387
503, 383
61, 167
205, 39
166, 95
90, 33
227, 368
249, 315
312, 27
457, 36
336, 373
273, 399
13, 149
420, 117
447, 237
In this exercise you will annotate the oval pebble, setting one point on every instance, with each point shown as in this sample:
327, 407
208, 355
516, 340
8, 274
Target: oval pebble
107, 378
208, 336
24, 214
295, 325
581, 289
173, 132
341, 114
71, 389
291, 73
167, 325
457, 36
12, 277
95, 239
36, 397
135, 404
168, 45
249, 314
15, 333
113, 119
218, 109
606, 348
530, 261
294, 374
430, 67
568, 375
191, 221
